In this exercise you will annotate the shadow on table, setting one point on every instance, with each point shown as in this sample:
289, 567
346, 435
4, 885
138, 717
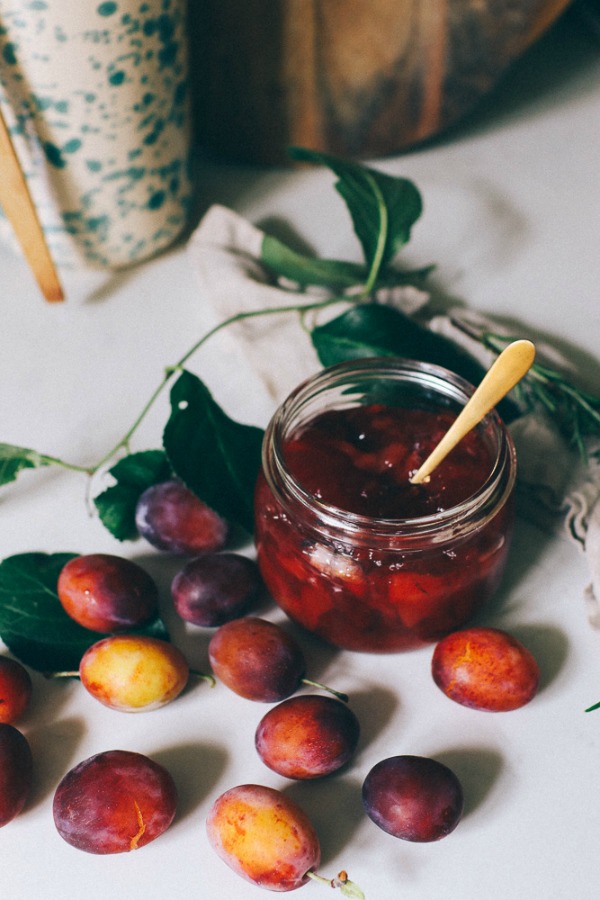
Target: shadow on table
337, 801
54, 746
196, 766
478, 770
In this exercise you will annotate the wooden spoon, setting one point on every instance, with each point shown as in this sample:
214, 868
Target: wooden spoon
21, 213
506, 371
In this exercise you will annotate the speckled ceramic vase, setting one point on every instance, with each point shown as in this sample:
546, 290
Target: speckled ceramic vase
95, 93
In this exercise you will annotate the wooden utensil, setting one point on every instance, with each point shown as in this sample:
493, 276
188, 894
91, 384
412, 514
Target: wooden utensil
507, 370
20, 211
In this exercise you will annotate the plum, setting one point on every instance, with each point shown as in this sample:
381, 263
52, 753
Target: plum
172, 518
263, 836
256, 659
213, 589
485, 669
15, 689
133, 673
16, 772
107, 593
259, 660
308, 736
267, 839
413, 797
114, 802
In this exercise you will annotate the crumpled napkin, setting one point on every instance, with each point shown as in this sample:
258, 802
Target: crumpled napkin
556, 490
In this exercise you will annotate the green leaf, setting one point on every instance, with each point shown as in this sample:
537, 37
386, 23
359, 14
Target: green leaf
133, 474
14, 459
287, 263
335, 274
217, 458
33, 623
383, 207
370, 330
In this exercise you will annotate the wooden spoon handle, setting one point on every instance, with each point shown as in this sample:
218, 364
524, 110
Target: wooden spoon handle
507, 370
20, 211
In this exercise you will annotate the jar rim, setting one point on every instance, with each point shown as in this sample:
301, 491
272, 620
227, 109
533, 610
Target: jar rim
484, 502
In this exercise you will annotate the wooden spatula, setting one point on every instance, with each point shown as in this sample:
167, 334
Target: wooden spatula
20, 211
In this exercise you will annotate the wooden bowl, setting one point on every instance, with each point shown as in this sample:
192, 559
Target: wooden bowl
358, 78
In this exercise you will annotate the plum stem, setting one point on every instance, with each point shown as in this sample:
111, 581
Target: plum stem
347, 888
203, 675
324, 687
73, 674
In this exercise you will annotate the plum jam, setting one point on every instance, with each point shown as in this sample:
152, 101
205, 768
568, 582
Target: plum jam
347, 546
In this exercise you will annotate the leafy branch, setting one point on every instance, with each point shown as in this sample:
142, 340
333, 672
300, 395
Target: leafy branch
219, 458
576, 412
383, 210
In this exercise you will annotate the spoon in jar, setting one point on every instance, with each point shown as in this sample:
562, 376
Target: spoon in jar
506, 371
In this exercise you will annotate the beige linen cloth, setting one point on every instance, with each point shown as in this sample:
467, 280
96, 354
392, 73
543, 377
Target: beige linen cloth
555, 489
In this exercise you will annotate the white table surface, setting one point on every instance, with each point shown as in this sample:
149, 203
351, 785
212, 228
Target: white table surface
512, 218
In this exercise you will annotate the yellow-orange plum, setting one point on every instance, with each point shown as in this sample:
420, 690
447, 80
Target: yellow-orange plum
263, 836
133, 673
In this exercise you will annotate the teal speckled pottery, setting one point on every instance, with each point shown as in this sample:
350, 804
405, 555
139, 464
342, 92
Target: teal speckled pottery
95, 93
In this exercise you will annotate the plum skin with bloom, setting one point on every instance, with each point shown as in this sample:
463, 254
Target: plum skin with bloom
133, 673
114, 802
172, 518
216, 588
107, 593
485, 669
16, 772
256, 659
264, 837
15, 690
308, 736
413, 798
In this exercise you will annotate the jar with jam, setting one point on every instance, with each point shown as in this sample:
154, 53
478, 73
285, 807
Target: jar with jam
347, 545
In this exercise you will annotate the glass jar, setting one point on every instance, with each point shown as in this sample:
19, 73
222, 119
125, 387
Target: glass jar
347, 546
